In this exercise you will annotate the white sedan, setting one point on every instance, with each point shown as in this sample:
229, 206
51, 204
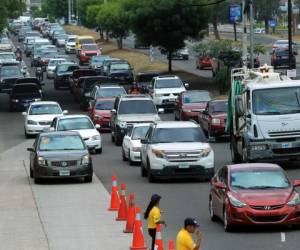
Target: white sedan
84, 126
40, 115
52, 66
131, 147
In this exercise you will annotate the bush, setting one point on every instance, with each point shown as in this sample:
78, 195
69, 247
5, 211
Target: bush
222, 80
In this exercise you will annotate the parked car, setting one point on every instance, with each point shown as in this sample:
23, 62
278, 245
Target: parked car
83, 125
213, 118
60, 154
39, 116
128, 110
190, 103
23, 94
280, 58
254, 194
165, 90
62, 73
100, 113
173, 149
131, 146
87, 51
204, 62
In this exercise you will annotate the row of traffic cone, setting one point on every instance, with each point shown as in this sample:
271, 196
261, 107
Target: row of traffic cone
132, 215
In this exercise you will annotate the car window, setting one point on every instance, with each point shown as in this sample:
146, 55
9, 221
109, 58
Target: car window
77, 123
60, 142
139, 132
45, 109
168, 83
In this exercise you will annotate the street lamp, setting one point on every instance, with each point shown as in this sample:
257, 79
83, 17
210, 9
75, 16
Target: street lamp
290, 33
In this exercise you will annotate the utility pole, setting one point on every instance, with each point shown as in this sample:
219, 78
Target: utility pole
244, 40
290, 33
251, 33
69, 11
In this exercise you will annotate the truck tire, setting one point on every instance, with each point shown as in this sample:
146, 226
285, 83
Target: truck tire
235, 157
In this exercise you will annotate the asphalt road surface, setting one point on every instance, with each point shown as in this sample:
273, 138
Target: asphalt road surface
180, 198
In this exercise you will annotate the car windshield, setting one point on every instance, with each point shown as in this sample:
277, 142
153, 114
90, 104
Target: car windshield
31, 88
137, 107
77, 123
8, 56
98, 59
89, 47
196, 97
168, 135
218, 107
62, 36
276, 101
55, 62
49, 54
120, 66
110, 92
71, 40
168, 83
11, 71
66, 67
282, 53
258, 179
44, 109
139, 132
60, 142
105, 105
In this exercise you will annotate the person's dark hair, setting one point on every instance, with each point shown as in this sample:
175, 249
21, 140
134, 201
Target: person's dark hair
154, 201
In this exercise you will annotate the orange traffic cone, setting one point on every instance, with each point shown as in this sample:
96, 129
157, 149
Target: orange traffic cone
114, 198
159, 244
171, 245
138, 240
122, 213
130, 215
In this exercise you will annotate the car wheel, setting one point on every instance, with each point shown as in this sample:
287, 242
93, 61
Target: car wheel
129, 158
112, 137
31, 173
210, 137
88, 179
176, 115
211, 210
118, 139
151, 178
98, 151
143, 170
235, 157
123, 155
26, 135
226, 224
37, 180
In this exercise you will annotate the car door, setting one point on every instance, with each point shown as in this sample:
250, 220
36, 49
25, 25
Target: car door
144, 146
127, 141
204, 118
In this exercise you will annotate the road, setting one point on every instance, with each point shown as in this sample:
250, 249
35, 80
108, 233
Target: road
180, 198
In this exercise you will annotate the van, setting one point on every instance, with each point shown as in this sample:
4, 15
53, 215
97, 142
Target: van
80, 40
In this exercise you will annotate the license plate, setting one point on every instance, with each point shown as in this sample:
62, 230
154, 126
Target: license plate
285, 57
286, 145
64, 172
183, 165
171, 100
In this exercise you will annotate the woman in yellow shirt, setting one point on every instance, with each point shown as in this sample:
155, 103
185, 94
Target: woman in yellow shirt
153, 216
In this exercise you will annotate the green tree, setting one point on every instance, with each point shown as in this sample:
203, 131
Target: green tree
83, 6
55, 8
91, 18
166, 23
266, 10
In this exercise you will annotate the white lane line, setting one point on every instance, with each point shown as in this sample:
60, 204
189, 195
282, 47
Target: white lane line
282, 237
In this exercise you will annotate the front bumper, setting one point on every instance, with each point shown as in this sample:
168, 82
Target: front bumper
70, 49
217, 130
135, 156
36, 129
248, 216
104, 123
55, 172
165, 101
94, 143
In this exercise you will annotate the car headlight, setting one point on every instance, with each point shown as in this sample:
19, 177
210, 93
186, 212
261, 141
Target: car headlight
235, 202
122, 124
37, 99
85, 160
42, 161
205, 152
31, 122
95, 138
215, 121
136, 149
187, 110
295, 200
158, 153
14, 100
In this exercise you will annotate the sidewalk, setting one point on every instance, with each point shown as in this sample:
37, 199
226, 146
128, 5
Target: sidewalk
67, 216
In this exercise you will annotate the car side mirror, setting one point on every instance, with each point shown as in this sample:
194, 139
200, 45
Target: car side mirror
186, 85
296, 183
113, 111
24, 113
65, 112
87, 95
30, 149
161, 110
51, 129
219, 185
97, 126
144, 141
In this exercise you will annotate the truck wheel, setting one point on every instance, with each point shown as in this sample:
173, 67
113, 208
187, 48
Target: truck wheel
235, 157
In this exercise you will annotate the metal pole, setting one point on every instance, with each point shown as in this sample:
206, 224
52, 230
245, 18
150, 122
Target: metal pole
244, 41
251, 34
290, 33
69, 11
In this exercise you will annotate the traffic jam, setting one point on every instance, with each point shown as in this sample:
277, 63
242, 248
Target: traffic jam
259, 118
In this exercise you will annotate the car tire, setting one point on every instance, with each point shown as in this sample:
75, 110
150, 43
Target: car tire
30, 173
143, 170
27, 136
112, 137
176, 117
150, 176
37, 180
210, 137
131, 163
227, 226
212, 215
99, 151
235, 157
118, 139
88, 179
123, 155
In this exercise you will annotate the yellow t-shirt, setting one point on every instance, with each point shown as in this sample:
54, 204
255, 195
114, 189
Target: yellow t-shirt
184, 240
154, 217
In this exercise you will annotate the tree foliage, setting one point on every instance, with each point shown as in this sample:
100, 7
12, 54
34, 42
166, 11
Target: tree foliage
83, 7
55, 8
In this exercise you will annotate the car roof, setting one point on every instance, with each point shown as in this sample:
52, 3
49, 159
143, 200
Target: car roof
166, 77
135, 97
67, 132
176, 124
43, 103
72, 116
254, 166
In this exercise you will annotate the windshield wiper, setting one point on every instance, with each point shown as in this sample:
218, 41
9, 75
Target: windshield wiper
265, 187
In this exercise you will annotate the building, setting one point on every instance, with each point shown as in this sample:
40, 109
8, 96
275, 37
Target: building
30, 3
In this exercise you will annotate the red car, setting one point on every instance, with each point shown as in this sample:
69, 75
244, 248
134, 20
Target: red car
254, 194
100, 113
87, 51
203, 62
190, 103
213, 118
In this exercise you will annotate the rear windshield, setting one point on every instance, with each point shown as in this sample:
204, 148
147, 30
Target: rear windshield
218, 107
105, 105
110, 92
75, 124
7, 56
64, 68
25, 89
86, 41
80, 73
10, 71
196, 97
168, 83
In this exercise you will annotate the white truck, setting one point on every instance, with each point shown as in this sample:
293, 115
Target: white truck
263, 116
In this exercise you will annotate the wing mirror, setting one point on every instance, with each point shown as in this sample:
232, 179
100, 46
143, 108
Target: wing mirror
296, 183
113, 111
97, 126
161, 110
30, 149
24, 113
186, 85
65, 112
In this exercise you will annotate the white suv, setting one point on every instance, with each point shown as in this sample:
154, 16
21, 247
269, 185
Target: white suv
165, 90
70, 45
176, 149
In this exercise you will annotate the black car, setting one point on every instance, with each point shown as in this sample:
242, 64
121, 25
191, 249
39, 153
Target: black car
29, 80
8, 76
23, 94
60, 155
62, 73
80, 73
280, 58
143, 80
120, 70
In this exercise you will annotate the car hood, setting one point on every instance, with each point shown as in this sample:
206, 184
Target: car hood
139, 118
180, 146
87, 133
38, 118
169, 90
264, 197
71, 44
195, 106
63, 154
